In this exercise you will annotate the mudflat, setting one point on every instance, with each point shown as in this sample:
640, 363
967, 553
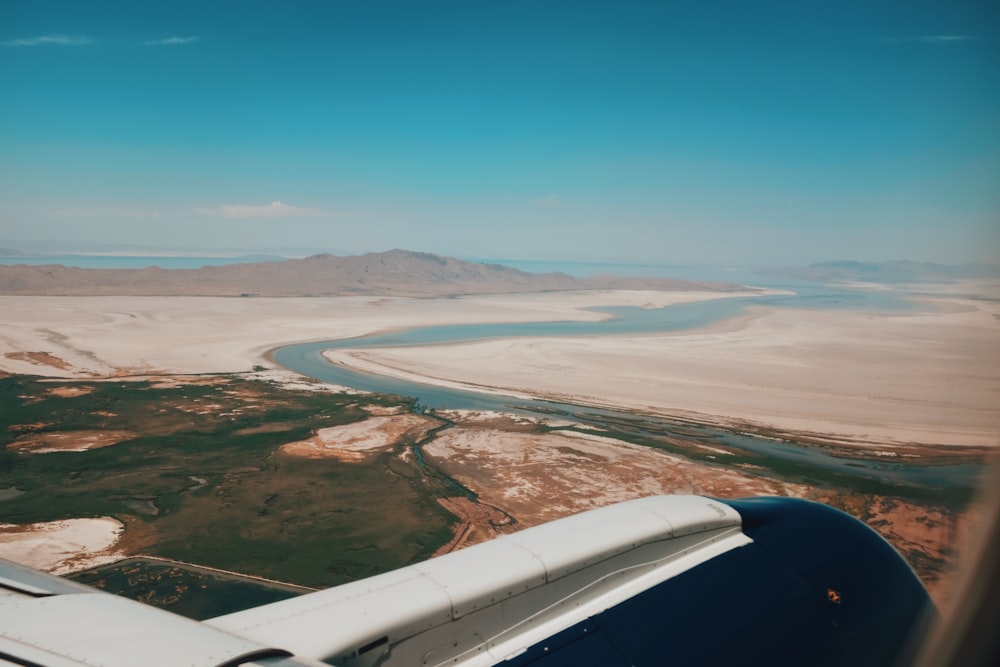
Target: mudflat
869, 378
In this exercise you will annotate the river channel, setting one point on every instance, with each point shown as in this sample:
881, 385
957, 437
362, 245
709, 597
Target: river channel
307, 359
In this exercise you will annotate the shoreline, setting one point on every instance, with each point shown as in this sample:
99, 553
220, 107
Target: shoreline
106, 336
928, 376
772, 369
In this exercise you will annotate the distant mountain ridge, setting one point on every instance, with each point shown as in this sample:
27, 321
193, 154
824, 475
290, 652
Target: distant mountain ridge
396, 272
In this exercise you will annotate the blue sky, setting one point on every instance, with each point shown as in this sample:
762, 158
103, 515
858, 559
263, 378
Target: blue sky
726, 132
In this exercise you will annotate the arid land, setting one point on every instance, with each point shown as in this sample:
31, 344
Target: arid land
163, 417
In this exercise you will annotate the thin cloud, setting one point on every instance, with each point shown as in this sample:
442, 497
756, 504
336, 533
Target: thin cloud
930, 39
944, 39
50, 40
273, 210
170, 41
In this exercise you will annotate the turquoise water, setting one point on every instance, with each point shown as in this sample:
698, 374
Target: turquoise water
307, 358
635, 320
578, 269
131, 262
696, 272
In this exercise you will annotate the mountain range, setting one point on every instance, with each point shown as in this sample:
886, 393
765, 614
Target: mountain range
395, 273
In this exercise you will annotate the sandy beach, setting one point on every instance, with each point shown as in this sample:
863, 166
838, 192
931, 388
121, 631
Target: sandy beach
931, 376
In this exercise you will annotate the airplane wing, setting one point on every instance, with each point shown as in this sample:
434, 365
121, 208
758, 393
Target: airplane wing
684, 580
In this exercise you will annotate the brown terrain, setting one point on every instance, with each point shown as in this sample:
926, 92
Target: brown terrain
523, 472
39, 359
525, 477
70, 441
393, 273
360, 441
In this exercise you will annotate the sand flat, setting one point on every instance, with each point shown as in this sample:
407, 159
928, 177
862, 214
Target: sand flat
359, 441
62, 546
538, 478
927, 377
101, 336
68, 441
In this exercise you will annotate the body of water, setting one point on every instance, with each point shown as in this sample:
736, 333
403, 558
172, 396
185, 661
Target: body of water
132, 262
694, 272
189, 590
578, 269
307, 358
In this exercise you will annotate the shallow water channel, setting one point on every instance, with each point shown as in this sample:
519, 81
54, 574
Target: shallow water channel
307, 359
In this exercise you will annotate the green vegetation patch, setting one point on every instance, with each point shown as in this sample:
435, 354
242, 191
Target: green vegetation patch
200, 479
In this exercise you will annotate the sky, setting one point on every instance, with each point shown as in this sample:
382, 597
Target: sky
653, 132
